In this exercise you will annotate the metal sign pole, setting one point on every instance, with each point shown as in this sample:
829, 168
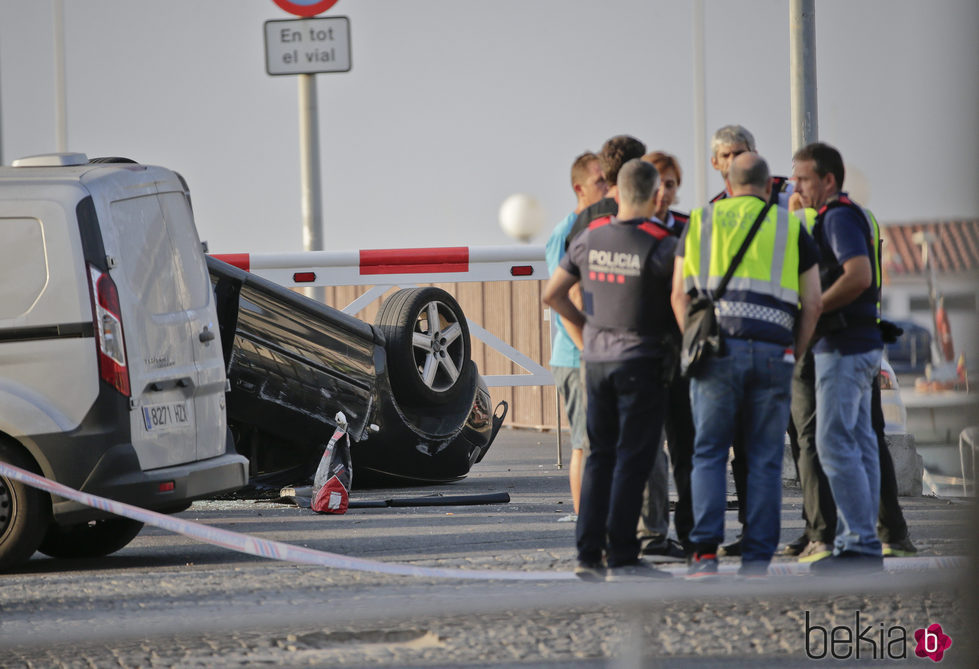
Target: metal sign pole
309, 167
1, 112
700, 148
60, 95
304, 47
802, 72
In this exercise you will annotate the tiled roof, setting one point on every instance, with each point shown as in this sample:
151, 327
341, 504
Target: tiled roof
955, 247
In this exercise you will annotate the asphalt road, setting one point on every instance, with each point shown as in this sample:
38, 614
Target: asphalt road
166, 600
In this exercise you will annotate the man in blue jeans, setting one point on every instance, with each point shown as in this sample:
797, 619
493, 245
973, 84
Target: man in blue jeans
624, 265
847, 359
745, 387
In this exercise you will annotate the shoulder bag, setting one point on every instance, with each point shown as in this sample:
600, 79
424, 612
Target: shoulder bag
701, 333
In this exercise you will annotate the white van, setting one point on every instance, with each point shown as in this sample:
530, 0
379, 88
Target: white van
112, 379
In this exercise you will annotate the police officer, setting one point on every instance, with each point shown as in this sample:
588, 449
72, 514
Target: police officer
624, 265
654, 521
819, 509
846, 358
747, 384
727, 143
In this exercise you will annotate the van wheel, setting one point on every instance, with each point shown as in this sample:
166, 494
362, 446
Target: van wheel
25, 512
93, 539
428, 345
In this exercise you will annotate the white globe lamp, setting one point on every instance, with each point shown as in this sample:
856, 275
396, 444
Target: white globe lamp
522, 217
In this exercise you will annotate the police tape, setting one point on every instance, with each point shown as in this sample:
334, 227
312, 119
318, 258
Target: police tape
276, 550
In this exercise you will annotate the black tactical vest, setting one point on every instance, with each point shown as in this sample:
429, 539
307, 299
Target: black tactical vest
614, 275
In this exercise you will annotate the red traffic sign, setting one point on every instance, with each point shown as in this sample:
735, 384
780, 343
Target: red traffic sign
305, 7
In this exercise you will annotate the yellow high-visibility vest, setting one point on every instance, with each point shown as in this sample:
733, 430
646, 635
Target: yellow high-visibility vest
808, 217
764, 289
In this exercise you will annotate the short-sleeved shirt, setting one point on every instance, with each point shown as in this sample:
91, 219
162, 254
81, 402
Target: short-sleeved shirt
563, 351
644, 290
842, 233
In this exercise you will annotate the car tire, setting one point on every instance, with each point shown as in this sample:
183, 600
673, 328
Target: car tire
426, 364
110, 160
88, 540
25, 512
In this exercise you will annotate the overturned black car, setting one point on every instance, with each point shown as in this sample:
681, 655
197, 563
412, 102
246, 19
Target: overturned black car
416, 407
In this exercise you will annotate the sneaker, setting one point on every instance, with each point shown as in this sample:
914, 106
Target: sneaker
902, 548
640, 569
815, 551
703, 567
590, 571
669, 550
733, 549
570, 518
848, 563
796, 546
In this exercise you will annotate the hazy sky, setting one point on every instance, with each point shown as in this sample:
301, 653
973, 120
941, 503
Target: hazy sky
451, 105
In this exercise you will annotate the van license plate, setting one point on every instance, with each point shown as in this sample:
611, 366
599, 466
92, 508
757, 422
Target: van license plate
162, 417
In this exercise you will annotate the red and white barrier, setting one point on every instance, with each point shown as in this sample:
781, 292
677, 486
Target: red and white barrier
384, 268
394, 267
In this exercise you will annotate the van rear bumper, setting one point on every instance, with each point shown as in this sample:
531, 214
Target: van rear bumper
117, 476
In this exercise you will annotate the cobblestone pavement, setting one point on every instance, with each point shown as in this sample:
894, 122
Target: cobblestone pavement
741, 631
167, 601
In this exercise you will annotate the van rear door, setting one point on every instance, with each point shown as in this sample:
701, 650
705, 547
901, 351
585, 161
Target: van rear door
201, 310
176, 370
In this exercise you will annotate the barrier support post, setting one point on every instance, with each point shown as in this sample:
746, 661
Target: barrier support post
557, 413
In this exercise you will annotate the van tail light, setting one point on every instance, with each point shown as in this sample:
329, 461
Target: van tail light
108, 326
